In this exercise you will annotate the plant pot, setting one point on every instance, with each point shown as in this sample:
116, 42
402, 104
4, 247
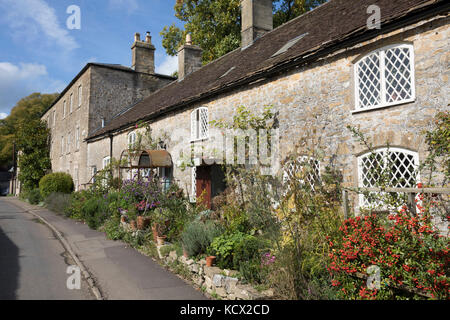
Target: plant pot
161, 240
123, 219
155, 231
142, 222
210, 261
133, 225
185, 254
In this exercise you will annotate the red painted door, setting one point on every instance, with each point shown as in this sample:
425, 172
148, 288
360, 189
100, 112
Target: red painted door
204, 184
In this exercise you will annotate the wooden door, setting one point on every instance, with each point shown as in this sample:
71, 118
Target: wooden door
203, 183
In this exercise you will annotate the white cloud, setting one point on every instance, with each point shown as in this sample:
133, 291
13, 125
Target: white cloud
168, 66
19, 80
29, 19
3, 115
129, 5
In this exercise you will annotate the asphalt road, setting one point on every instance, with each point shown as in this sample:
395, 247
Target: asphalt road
33, 263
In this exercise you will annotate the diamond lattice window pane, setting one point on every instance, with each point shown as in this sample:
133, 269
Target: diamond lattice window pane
401, 166
293, 169
398, 74
369, 81
204, 123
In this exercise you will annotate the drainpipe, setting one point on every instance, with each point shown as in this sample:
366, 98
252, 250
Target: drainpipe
111, 152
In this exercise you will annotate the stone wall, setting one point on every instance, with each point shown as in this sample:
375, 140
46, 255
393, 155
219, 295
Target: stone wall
316, 103
114, 90
217, 282
73, 158
105, 92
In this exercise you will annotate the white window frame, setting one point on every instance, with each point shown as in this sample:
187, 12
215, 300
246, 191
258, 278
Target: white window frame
382, 53
132, 136
76, 177
71, 103
196, 124
64, 109
69, 142
80, 95
77, 138
384, 151
106, 162
63, 142
193, 197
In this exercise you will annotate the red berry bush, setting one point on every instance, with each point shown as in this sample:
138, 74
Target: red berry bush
412, 258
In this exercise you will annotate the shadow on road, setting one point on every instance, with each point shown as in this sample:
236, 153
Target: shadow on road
9, 267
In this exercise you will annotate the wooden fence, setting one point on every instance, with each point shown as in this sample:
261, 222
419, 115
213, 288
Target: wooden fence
411, 193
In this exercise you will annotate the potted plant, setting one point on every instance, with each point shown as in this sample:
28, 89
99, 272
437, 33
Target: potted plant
161, 240
161, 223
210, 260
132, 215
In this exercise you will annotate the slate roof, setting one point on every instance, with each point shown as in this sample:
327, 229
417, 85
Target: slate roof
335, 24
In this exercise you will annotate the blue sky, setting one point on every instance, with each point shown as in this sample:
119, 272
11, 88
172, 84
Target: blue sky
38, 53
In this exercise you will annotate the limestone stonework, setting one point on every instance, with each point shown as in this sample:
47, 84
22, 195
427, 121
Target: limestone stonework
105, 91
317, 101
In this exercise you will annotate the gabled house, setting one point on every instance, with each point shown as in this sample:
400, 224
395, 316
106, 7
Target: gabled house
93, 97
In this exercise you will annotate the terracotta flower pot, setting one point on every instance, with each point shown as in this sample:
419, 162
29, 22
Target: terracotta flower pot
161, 240
142, 222
155, 231
133, 225
210, 261
185, 254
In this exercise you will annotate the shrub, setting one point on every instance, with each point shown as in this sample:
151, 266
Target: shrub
247, 258
197, 236
56, 182
34, 196
58, 202
408, 251
94, 212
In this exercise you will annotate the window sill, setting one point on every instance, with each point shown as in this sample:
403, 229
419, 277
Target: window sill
384, 106
199, 140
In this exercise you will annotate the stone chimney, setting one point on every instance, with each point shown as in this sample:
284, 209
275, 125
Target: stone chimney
189, 58
257, 19
143, 54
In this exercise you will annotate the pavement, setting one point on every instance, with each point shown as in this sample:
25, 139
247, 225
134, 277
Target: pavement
115, 270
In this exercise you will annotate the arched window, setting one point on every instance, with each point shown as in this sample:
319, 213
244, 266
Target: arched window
199, 124
293, 167
385, 77
398, 166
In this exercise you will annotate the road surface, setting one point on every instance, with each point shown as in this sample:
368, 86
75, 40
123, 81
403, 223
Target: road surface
33, 263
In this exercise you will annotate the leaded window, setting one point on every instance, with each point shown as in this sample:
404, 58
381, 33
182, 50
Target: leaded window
199, 124
294, 170
389, 167
385, 77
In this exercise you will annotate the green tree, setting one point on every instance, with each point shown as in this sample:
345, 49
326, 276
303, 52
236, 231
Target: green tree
26, 109
32, 139
215, 25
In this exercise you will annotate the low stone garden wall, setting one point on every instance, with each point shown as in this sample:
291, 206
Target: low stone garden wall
215, 281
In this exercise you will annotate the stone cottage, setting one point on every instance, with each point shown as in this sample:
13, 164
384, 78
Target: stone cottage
327, 69
93, 97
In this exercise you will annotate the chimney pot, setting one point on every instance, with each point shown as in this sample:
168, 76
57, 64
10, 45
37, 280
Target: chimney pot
189, 39
143, 54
